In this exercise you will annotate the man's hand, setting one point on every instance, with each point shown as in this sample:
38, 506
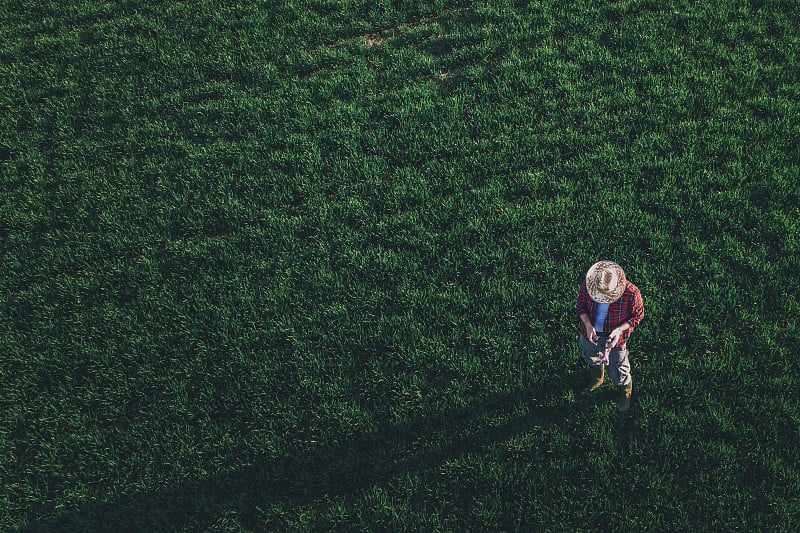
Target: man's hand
591, 334
613, 338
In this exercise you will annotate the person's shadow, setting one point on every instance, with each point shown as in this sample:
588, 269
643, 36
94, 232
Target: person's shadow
331, 472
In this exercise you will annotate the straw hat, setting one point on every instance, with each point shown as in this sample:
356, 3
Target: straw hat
605, 282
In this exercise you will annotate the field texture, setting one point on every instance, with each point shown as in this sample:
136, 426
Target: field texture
273, 265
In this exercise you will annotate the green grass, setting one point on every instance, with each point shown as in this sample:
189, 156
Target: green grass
313, 264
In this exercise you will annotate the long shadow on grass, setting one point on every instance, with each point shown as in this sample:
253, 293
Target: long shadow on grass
319, 476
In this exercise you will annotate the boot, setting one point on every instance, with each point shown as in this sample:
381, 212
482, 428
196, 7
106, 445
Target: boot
596, 374
625, 399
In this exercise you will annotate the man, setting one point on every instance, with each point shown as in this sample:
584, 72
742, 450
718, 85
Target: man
610, 307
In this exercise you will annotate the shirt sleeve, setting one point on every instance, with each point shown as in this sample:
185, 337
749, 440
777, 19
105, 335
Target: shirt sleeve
636, 309
582, 307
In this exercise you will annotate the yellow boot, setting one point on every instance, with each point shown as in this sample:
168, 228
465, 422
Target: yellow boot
596, 374
625, 399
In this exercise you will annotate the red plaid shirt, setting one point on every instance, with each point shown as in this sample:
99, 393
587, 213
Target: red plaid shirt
627, 309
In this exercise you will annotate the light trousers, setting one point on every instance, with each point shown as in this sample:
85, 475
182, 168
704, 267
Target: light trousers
618, 364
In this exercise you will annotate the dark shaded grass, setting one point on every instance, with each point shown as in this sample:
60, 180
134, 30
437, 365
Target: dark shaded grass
277, 266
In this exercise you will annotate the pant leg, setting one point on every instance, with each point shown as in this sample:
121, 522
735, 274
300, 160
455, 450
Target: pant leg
619, 366
591, 353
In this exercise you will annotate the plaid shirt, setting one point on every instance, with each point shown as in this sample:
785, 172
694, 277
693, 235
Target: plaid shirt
627, 309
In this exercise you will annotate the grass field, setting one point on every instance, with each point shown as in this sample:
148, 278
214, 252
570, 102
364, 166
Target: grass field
313, 264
